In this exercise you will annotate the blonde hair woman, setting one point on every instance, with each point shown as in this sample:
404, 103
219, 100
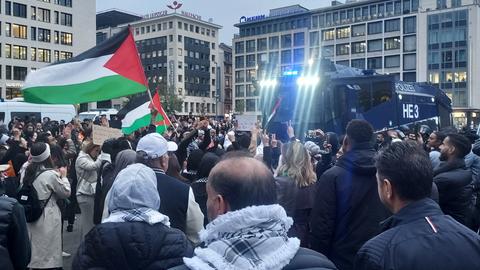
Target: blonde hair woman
296, 188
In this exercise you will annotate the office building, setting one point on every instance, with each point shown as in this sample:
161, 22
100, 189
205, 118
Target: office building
416, 40
225, 80
37, 33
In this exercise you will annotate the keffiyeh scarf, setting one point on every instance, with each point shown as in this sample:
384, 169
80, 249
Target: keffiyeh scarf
146, 215
251, 238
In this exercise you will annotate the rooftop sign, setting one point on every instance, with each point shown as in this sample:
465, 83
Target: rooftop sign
253, 18
155, 14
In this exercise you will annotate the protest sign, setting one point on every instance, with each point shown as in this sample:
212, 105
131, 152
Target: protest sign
101, 134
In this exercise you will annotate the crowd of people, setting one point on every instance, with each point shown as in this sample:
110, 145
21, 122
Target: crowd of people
204, 195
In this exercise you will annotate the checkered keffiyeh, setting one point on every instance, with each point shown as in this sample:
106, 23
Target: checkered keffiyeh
146, 215
250, 238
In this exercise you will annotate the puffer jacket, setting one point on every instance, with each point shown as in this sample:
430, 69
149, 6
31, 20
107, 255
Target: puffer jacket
455, 189
132, 245
87, 170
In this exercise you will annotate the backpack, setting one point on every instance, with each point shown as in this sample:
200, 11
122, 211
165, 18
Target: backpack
27, 196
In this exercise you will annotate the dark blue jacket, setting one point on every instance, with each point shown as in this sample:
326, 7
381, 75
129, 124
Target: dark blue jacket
132, 245
421, 237
347, 210
15, 249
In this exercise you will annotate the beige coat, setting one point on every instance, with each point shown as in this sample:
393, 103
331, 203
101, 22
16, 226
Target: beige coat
86, 169
46, 233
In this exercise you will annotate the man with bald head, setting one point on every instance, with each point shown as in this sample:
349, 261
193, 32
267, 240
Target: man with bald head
248, 229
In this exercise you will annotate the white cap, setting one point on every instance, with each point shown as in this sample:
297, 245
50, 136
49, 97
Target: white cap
155, 145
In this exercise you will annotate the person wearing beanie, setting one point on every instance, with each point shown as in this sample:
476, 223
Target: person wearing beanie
138, 235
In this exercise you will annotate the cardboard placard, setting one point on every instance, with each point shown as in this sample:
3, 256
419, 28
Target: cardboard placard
101, 134
246, 122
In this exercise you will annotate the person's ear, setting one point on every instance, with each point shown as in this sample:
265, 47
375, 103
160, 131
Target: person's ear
221, 205
387, 189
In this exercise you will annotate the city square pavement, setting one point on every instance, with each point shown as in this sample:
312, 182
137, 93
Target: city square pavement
71, 241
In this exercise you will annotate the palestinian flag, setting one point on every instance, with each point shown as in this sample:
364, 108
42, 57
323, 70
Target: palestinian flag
141, 112
110, 70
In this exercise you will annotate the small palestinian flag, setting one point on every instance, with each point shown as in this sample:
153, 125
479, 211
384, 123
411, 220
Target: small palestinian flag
139, 111
110, 70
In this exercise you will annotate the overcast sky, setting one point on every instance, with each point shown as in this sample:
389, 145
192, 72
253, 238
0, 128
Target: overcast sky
223, 12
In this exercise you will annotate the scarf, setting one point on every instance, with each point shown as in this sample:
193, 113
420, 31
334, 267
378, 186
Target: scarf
251, 238
146, 215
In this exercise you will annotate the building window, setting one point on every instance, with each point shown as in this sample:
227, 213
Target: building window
375, 28
409, 25
239, 47
65, 3
358, 30
375, 45
409, 43
19, 73
250, 46
179, 38
66, 19
8, 29
261, 44
374, 63
19, 10
456, 3
33, 11
328, 34
409, 62
298, 55
239, 62
392, 43
358, 47
392, 25
240, 76
19, 52
170, 25
66, 38
358, 63
19, 31
250, 60
33, 54
8, 51
44, 55
43, 15
33, 33
43, 35
299, 39
441, 4
286, 41
8, 8
8, 72
286, 57
314, 39
343, 32
250, 105
273, 43
392, 61
328, 51
343, 49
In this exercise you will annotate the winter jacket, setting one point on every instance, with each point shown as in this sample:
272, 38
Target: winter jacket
454, 183
421, 237
305, 259
298, 203
87, 170
15, 250
132, 245
347, 209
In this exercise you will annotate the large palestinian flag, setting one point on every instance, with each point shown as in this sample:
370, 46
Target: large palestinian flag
140, 111
110, 70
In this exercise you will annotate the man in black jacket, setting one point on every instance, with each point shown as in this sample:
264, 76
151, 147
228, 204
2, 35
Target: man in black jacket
178, 199
418, 235
347, 210
15, 248
453, 179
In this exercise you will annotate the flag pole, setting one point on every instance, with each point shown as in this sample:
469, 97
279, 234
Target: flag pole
171, 124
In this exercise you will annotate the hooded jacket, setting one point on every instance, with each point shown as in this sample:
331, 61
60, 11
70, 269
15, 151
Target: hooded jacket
347, 209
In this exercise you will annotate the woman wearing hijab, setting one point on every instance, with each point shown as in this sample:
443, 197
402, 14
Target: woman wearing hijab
122, 160
50, 184
137, 234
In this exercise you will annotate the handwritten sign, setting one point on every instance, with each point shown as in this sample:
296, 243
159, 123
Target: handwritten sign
101, 134
246, 122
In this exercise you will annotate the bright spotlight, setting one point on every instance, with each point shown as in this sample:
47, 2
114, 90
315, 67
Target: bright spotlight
310, 81
268, 83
